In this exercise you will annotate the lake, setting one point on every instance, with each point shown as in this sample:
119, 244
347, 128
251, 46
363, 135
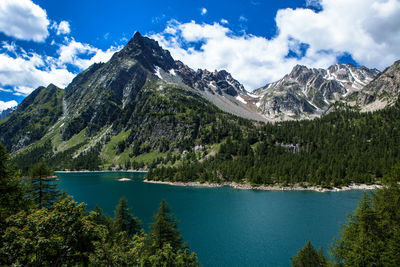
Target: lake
224, 226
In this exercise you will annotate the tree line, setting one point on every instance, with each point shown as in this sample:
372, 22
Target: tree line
337, 149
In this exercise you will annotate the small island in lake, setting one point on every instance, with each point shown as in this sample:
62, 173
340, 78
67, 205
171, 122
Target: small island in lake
124, 179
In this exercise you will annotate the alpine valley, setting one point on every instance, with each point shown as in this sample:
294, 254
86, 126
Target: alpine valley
144, 110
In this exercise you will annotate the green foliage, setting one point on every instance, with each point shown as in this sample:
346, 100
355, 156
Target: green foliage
12, 191
124, 221
33, 118
88, 160
61, 236
12, 194
118, 251
163, 246
164, 229
340, 148
67, 235
43, 185
309, 257
371, 237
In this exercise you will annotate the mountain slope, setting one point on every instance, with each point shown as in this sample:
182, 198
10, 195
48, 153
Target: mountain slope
382, 91
129, 108
33, 118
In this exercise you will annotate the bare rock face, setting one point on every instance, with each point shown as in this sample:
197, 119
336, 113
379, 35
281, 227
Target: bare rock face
382, 91
218, 82
307, 93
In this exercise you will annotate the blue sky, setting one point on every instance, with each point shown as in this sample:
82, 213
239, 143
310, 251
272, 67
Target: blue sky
258, 41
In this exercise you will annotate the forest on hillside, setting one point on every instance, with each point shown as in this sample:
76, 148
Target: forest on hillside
342, 147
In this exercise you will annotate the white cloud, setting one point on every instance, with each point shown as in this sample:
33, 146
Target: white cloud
203, 11
63, 28
6, 90
10, 47
22, 19
368, 30
27, 71
224, 21
8, 104
252, 60
71, 54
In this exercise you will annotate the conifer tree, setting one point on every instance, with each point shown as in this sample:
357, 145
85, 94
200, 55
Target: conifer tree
165, 229
124, 221
12, 194
44, 185
371, 237
309, 257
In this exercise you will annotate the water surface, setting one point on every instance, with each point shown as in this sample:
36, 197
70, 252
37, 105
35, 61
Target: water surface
224, 226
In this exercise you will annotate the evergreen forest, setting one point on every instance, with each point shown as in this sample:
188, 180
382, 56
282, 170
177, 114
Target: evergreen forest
340, 148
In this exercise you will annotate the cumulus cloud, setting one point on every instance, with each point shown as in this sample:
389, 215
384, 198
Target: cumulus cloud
72, 53
7, 105
27, 71
22, 19
366, 29
62, 28
203, 11
224, 21
252, 60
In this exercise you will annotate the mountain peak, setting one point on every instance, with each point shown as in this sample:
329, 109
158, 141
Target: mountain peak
148, 52
137, 35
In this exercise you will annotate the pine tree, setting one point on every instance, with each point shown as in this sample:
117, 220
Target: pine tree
309, 257
12, 195
99, 217
44, 185
123, 220
165, 229
371, 237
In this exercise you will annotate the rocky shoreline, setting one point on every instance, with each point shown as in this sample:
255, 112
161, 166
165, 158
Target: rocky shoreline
270, 188
86, 171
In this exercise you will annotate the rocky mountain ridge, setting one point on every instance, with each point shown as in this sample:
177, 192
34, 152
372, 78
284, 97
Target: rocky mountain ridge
308, 93
381, 92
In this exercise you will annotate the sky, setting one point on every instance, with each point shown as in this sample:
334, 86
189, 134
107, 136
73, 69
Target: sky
257, 41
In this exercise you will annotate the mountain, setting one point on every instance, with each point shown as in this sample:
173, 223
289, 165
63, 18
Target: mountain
5, 113
308, 93
143, 106
140, 103
221, 89
32, 118
383, 91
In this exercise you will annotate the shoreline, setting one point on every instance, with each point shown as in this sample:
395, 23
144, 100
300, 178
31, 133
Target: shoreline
244, 186
269, 188
86, 171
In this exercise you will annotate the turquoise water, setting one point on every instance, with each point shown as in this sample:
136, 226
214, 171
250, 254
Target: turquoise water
224, 226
